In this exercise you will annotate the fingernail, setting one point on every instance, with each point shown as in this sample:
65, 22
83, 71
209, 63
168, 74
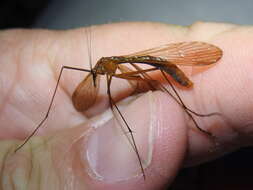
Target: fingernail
110, 154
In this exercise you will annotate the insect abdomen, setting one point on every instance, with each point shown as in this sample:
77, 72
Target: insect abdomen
177, 75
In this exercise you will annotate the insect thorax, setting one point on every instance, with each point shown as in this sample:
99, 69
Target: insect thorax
107, 65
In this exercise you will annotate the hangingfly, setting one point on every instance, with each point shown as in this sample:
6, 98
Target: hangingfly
164, 58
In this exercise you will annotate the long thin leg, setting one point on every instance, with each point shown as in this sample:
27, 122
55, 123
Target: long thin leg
113, 104
179, 100
50, 105
137, 76
149, 78
133, 73
173, 88
185, 108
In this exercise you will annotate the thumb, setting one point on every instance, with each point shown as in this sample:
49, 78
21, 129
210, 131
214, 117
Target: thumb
97, 155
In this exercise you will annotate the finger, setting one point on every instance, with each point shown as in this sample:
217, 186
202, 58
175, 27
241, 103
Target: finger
98, 156
223, 88
28, 83
215, 89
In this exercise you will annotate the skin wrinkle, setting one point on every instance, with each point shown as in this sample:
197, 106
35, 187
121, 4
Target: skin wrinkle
2, 170
31, 161
196, 103
18, 77
199, 102
56, 73
12, 183
64, 154
3, 167
39, 177
235, 129
201, 92
202, 104
11, 179
158, 133
51, 59
219, 107
32, 46
38, 169
12, 87
161, 130
57, 174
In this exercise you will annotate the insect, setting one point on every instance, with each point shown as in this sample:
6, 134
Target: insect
164, 58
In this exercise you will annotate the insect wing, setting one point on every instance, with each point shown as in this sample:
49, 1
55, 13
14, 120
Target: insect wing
185, 53
86, 93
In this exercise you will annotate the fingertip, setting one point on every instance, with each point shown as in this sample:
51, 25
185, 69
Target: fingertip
170, 138
160, 135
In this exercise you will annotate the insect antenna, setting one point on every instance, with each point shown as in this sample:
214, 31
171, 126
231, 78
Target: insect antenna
88, 39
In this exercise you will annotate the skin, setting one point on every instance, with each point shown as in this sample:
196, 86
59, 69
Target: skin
55, 158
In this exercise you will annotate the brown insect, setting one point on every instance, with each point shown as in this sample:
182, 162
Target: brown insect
164, 58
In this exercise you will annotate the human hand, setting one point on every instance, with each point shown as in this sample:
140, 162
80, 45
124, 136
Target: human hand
57, 158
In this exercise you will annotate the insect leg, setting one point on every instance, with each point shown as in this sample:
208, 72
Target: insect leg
112, 105
134, 73
186, 109
150, 80
50, 105
179, 100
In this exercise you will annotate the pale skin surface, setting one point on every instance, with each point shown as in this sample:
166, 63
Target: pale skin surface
30, 62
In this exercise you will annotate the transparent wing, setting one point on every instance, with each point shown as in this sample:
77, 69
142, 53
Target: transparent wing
85, 94
185, 53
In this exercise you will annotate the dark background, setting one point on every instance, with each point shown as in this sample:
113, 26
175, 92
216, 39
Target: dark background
233, 171
63, 14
